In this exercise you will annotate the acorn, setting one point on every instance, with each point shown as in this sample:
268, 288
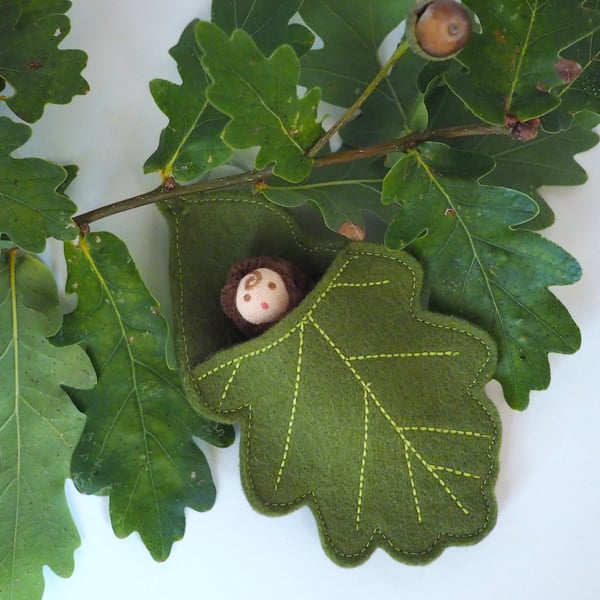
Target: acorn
439, 29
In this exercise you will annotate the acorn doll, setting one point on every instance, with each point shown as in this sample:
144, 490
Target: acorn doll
260, 291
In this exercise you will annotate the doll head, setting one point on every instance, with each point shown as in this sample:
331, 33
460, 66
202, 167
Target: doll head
260, 291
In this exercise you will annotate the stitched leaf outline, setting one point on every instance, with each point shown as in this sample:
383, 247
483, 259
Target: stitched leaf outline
368, 409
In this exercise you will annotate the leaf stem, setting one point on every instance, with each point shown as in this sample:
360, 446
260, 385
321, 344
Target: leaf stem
349, 114
166, 192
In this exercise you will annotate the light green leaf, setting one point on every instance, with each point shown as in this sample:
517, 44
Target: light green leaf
352, 33
30, 60
30, 207
39, 427
510, 65
191, 143
479, 265
339, 411
137, 445
268, 22
259, 94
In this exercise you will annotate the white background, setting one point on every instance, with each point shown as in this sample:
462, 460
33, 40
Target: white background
544, 545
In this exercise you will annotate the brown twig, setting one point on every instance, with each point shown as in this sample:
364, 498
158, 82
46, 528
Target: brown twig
402, 144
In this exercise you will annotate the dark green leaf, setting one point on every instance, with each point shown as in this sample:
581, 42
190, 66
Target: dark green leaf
513, 62
137, 444
339, 411
30, 207
479, 265
39, 427
343, 193
266, 21
191, 143
352, 33
583, 92
34, 11
525, 166
396, 108
546, 160
30, 60
260, 96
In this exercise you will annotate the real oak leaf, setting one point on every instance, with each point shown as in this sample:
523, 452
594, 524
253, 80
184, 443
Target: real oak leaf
260, 96
583, 91
137, 444
342, 193
352, 33
511, 67
479, 265
191, 143
266, 21
31, 208
30, 60
39, 426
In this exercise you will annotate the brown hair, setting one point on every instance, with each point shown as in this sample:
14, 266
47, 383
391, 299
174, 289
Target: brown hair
297, 284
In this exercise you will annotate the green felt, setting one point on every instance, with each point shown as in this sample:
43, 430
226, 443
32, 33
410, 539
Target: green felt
359, 403
209, 235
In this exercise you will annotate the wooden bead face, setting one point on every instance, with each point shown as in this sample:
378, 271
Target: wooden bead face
262, 297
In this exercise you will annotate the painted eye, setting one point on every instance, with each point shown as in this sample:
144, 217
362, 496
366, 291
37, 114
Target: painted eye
272, 285
247, 297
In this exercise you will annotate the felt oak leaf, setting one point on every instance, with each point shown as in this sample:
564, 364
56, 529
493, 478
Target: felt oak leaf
259, 94
30, 60
352, 33
191, 144
30, 207
137, 444
479, 265
514, 62
39, 427
266, 21
369, 410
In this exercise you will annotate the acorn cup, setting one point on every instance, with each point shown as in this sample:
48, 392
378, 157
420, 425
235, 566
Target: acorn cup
438, 29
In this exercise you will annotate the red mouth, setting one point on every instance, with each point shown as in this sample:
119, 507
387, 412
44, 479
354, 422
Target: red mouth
264, 305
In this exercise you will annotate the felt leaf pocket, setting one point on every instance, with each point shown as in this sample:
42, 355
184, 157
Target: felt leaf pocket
361, 405
209, 235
